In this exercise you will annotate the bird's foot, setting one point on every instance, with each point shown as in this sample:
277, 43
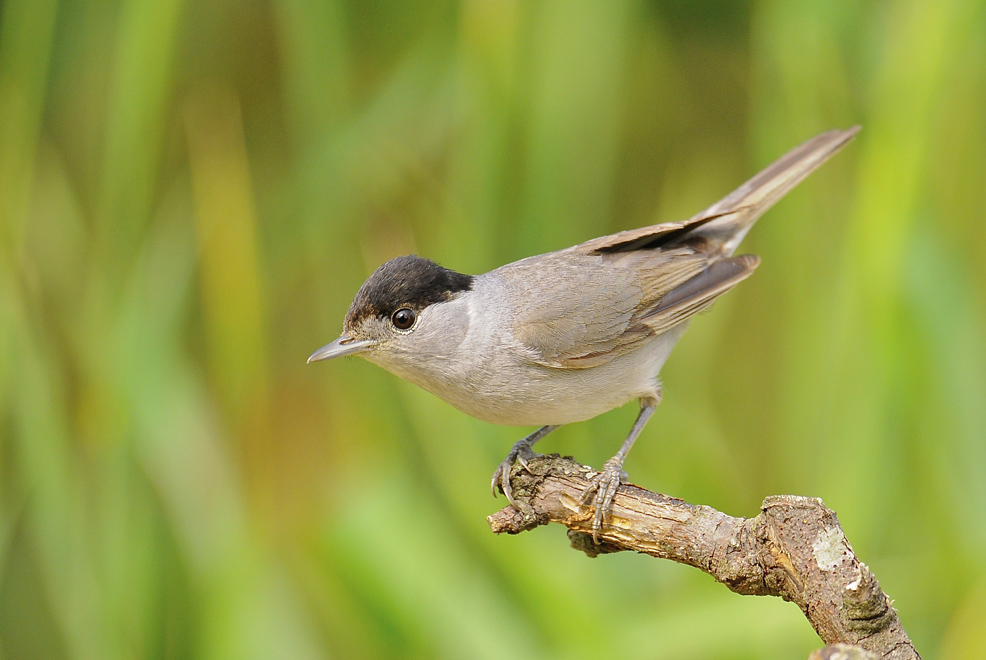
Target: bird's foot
600, 493
520, 453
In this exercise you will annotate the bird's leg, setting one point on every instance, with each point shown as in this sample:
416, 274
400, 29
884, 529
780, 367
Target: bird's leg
521, 451
602, 488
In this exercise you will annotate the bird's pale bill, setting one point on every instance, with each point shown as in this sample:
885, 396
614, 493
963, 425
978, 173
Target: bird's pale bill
341, 347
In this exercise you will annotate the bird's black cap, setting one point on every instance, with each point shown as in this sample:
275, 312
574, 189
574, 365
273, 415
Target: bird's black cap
408, 281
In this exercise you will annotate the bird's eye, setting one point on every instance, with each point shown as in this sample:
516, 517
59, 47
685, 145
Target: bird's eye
403, 318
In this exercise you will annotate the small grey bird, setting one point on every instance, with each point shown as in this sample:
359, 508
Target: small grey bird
565, 336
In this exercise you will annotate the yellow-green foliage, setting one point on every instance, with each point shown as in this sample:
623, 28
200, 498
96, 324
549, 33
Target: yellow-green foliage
191, 193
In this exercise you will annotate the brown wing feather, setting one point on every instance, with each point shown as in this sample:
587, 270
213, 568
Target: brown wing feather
698, 293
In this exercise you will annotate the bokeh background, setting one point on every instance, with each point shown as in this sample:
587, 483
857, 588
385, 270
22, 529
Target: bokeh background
192, 192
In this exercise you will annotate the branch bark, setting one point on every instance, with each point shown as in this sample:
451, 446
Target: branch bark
794, 549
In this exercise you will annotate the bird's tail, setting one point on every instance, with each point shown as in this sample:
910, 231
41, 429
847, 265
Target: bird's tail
728, 220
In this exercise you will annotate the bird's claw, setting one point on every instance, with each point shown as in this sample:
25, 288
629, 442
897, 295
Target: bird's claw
600, 493
501, 476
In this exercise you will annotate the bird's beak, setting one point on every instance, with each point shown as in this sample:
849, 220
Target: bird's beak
344, 345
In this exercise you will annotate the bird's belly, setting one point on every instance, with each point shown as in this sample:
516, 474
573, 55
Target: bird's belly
533, 395
541, 406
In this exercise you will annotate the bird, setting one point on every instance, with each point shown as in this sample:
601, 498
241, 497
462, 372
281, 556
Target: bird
562, 337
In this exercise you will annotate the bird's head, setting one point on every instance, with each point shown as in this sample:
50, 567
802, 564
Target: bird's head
397, 315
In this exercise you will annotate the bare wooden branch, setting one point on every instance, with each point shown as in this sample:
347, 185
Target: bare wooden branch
794, 549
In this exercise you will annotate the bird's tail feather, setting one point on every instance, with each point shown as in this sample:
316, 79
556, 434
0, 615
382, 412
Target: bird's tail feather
730, 218
726, 222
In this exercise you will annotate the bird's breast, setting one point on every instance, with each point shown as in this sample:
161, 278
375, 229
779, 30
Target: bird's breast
506, 387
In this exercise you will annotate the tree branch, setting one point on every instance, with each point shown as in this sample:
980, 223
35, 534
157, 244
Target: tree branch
794, 549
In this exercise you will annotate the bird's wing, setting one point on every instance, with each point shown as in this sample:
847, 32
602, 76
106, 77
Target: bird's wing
583, 312
698, 293
593, 309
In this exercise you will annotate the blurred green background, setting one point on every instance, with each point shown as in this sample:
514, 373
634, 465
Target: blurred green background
192, 192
